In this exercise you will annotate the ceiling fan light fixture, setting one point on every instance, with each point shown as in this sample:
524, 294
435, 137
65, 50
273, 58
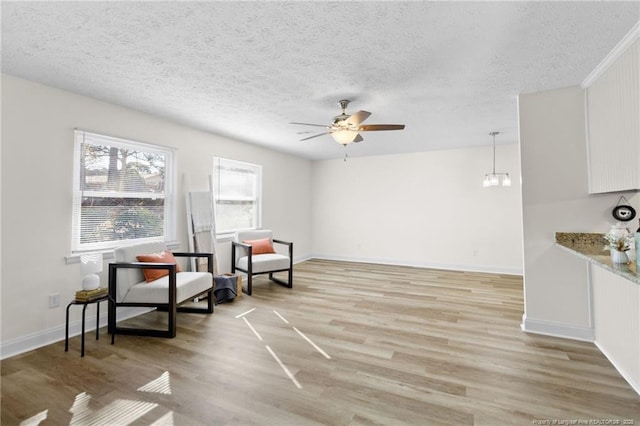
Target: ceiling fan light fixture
344, 137
345, 128
340, 121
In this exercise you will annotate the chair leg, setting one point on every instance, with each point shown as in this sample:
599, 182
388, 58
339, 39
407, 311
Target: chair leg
288, 283
111, 317
111, 311
210, 302
249, 273
171, 326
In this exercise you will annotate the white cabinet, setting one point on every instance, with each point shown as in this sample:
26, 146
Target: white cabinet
613, 125
616, 321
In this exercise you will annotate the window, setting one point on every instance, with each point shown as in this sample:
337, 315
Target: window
237, 194
122, 192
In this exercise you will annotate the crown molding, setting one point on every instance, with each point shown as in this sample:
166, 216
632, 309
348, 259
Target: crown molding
618, 50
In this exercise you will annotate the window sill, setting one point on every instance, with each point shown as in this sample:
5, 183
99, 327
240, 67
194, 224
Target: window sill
222, 238
108, 254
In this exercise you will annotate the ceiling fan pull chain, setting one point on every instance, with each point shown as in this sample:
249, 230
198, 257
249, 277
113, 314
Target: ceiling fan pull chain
346, 155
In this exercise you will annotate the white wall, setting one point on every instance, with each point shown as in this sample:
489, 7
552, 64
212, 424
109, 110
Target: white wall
440, 216
423, 209
37, 167
555, 199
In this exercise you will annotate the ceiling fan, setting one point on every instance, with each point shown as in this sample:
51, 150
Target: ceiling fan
345, 128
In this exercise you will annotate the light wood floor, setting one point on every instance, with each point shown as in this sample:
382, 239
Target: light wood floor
403, 346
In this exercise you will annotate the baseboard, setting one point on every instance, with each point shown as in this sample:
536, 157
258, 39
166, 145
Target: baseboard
53, 335
445, 266
555, 329
300, 259
623, 373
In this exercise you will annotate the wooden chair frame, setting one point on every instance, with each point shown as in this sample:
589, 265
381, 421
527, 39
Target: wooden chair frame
249, 270
172, 307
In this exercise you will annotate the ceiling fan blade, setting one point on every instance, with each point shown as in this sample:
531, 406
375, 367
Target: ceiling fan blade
309, 124
372, 127
358, 117
358, 138
315, 136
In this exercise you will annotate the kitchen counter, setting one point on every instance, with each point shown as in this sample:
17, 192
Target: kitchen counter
614, 303
590, 247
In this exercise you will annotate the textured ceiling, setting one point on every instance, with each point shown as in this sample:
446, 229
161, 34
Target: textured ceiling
450, 71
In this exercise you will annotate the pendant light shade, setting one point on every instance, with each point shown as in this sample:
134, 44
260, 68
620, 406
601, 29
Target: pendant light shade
493, 178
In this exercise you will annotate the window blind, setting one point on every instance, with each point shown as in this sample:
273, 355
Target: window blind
122, 192
237, 195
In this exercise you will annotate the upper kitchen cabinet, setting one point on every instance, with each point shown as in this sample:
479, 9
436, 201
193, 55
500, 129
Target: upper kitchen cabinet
613, 123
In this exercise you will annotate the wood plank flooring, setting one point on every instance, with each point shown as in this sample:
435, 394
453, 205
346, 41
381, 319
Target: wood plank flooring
363, 344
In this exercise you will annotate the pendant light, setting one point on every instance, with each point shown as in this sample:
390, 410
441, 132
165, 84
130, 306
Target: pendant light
493, 178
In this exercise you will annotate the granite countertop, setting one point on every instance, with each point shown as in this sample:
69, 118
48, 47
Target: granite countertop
591, 248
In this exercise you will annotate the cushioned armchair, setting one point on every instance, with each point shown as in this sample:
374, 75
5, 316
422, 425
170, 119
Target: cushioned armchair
156, 282
252, 252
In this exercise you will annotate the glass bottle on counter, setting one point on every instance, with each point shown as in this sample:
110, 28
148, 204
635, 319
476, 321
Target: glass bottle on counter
637, 244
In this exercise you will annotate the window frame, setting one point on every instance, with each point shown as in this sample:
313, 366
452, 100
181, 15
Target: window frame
169, 196
257, 169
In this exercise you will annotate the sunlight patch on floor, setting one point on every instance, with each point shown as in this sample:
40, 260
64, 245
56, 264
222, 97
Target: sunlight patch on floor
273, 354
166, 420
120, 411
35, 420
160, 385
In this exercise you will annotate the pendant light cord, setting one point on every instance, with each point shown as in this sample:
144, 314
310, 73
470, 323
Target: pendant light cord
494, 150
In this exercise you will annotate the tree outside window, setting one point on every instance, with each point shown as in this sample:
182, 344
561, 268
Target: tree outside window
120, 193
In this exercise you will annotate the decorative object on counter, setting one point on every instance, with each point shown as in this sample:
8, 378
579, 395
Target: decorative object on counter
622, 267
589, 247
623, 211
637, 241
493, 178
618, 243
619, 230
619, 257
632, 252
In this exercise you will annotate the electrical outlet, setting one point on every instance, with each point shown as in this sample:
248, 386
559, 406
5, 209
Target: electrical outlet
54, 300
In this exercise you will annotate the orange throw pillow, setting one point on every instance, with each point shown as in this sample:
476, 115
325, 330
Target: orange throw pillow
262, 246
163, 257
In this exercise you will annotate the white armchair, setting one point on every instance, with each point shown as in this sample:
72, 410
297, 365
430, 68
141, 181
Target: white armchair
151, 284
252, 252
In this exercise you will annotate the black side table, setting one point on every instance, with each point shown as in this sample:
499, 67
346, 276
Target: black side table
84, 308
